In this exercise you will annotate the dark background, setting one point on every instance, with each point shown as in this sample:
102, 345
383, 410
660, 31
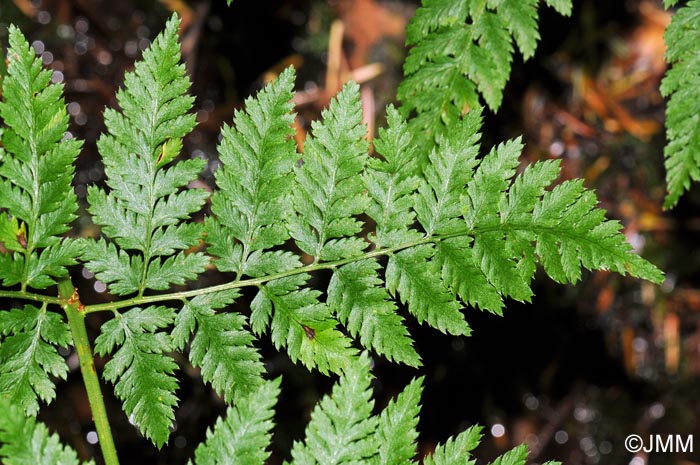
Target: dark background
571, 373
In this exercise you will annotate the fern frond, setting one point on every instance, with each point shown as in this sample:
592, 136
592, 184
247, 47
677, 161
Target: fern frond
515, 456
258, 155
679, 85
341, 427
36, 170
329, 188
456, 450
397, 433
460, 50
143, 211
330, 193
412, 275
24, 441
451, 166
301, 324
29, 357
221, 346
140, 369
244, 435
514, 226
255, 181
364, 307
391, 183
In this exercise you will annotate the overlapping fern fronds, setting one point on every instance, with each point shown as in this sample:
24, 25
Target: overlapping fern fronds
433, 229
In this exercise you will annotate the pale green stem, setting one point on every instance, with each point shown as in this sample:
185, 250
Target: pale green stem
76, 320
237, 283
111, 306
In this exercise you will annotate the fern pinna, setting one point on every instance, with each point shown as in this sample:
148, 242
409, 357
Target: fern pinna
430, 230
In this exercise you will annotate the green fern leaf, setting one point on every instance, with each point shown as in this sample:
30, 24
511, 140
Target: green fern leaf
680, 86
391, 184
29, 357
515, 456
23, 441
244, 436
484, 194
450, 167
36, 170
563, 7
411, 274
396, 433
461, 49
456, 450
341, 427
491, 228
325, 227
255, 181
142, 373
143, 210
364, 307
330, 189
521, 18
514, 225
114, 266
221, 346
301, 324
462, 274
258, 155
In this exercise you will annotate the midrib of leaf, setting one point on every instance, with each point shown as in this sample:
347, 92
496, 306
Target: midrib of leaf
34, 168
378, 252
534, 227
256, 281
151, 189
327, 199
239, 283
264, 130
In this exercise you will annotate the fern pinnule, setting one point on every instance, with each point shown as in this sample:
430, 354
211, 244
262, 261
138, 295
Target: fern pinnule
342, 427
143, 211
142, 374
255, 182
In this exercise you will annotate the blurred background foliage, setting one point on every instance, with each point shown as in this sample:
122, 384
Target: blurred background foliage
572, 373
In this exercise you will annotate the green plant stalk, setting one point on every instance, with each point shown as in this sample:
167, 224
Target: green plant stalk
239, 283
76, 320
